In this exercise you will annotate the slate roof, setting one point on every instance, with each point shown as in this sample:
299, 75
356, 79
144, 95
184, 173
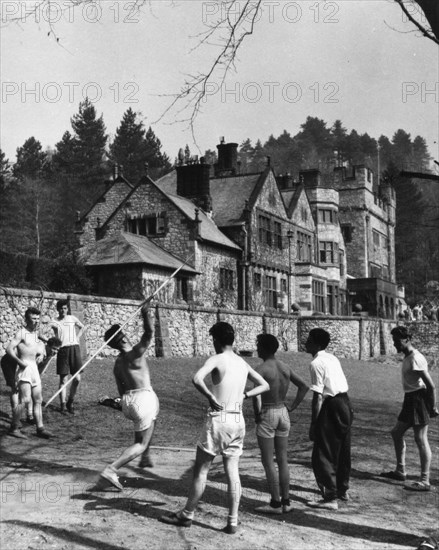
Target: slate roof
127, 248
208, 230
229, 194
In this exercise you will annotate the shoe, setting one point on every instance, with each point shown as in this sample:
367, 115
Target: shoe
268, 509
146, 462
428, 544
394, 474
16, 432
62, 408
286, 506
70, 407
323, 504
230, 529
176, 519
110, 475
44, 434
343, 496
30, 419
418, 486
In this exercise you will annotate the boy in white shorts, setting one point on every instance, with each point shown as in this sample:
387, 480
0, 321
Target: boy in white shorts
224, 430
139, 401
273, 422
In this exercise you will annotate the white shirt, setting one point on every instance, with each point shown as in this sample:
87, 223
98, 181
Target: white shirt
414, 363
327, 376
67, 330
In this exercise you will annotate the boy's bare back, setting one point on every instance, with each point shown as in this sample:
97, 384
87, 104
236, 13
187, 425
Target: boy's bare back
278, 375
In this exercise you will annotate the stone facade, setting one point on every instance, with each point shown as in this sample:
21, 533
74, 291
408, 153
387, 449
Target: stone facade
183, 331
258, 242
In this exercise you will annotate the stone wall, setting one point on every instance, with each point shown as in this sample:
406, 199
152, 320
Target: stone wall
183, 331
344, 331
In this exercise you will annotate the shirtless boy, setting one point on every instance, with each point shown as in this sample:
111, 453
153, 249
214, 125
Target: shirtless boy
139, 402
224, 430
26, 349
273, 422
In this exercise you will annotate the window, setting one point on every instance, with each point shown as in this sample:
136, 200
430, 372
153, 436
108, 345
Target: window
283, 285
386, 272
304, 214
375, 271
346, 231
341, 262
326, 215
182, 288
376, 238
277, 235
257, 281
318, 296
327, 252
332, 299
304, 247
270, 292
226, 279
265, 230
152, 225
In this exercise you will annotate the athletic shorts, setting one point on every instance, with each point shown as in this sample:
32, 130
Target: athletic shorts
141, 406
29, 375
68, 360
9, 367
414, 408
223, 433
275, 422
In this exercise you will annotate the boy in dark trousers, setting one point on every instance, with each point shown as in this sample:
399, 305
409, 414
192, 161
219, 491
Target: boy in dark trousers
331, 421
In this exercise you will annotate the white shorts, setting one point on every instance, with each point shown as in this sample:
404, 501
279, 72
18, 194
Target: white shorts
30, 375
223, 434
140, 406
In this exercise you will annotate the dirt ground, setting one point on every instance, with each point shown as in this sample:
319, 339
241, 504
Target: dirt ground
48, 501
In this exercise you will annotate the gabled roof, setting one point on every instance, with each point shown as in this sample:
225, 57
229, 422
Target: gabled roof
127, 248
291, 198
229, 194
208, 230
119, 179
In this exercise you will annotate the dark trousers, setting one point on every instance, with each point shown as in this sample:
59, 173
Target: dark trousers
331, 456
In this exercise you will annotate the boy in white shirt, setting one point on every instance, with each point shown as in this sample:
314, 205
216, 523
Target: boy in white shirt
69, 359
419, 405
331, 422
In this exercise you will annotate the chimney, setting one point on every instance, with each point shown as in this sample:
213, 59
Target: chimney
227, 164
310, 178
193, 183
285, 182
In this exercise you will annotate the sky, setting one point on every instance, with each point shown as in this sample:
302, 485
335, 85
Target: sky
354, 60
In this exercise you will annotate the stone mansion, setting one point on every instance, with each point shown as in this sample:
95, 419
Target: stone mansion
252, 241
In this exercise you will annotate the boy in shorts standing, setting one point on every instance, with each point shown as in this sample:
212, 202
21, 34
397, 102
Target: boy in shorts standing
273, 422
139, 401
419, 405
224, 430
27, 350
68, 361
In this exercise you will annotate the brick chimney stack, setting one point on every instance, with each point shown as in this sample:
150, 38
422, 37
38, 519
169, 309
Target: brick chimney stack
193, 183
227, 164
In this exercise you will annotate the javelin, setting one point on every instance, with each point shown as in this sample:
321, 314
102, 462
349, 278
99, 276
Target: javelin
118, 330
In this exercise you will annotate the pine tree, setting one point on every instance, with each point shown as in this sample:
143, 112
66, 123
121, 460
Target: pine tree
31, 160
64, 156
89, 147
5, 171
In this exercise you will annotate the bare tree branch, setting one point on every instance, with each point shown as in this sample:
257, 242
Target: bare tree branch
431, 10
